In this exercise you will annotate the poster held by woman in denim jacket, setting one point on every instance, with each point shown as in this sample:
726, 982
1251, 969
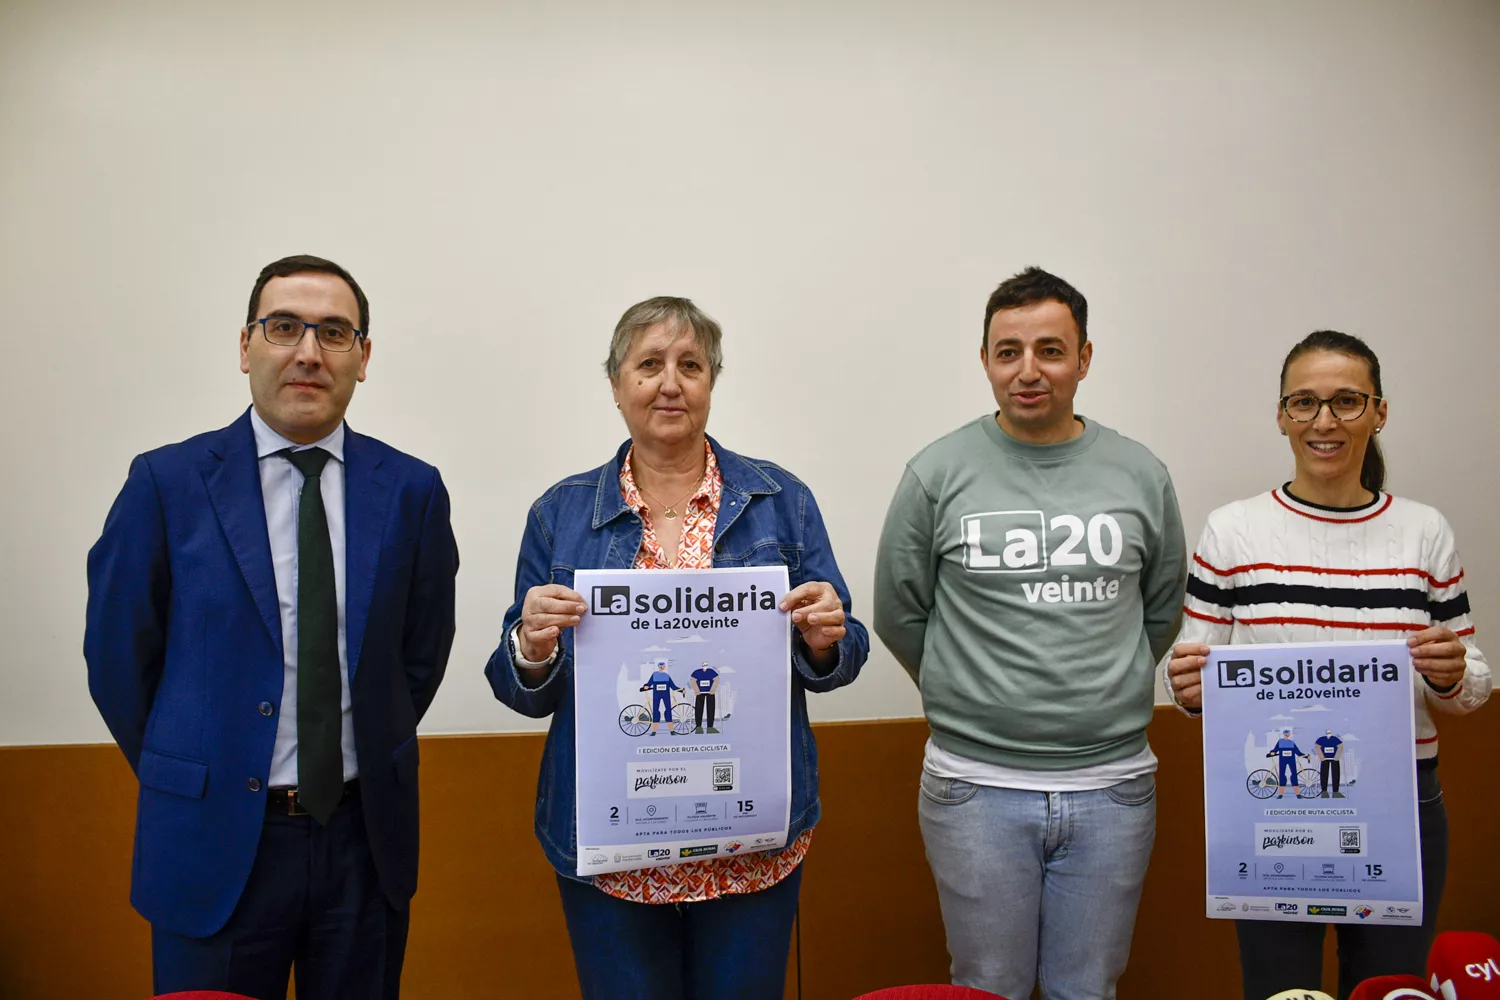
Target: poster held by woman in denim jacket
654, 786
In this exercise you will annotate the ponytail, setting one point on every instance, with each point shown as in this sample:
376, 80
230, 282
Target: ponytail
1372, 472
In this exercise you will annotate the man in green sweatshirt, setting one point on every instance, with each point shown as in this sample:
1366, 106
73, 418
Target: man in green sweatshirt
1030, 574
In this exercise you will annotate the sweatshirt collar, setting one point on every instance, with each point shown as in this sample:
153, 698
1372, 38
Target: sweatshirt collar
1061, 451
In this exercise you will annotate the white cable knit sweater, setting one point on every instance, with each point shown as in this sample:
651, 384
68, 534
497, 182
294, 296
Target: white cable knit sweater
1277, 569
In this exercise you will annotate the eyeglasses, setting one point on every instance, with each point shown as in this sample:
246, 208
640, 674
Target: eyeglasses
287, 331
1304, 407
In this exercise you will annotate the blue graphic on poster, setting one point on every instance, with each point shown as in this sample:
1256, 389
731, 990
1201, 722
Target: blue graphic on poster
1309, 775
682, 682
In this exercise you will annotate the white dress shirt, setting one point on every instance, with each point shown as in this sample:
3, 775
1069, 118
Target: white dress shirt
281, 488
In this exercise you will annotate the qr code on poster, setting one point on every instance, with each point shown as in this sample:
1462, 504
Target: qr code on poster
1349, 842
723, 777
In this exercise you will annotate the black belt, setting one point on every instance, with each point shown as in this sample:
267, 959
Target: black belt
284, 800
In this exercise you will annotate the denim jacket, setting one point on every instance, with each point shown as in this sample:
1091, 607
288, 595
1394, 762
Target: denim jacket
767, 517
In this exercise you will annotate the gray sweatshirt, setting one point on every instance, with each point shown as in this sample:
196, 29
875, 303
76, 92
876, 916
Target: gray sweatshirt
1029, 590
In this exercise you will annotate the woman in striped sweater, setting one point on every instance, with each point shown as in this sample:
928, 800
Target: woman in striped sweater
1328, 557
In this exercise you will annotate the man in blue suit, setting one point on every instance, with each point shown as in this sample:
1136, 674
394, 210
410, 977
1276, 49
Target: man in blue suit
270, 613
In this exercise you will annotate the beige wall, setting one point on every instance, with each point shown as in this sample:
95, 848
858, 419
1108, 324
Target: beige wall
841, 184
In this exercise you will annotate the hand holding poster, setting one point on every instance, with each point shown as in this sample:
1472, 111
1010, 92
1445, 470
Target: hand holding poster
682, 685
1309, 774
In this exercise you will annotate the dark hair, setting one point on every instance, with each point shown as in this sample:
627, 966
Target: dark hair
1372, 472
1031, 286
302, 264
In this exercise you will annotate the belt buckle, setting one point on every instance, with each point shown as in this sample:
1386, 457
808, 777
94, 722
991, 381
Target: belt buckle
292, 808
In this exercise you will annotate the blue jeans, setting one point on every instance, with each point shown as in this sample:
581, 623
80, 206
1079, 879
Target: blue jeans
730, 948
1364, 951
1038, 887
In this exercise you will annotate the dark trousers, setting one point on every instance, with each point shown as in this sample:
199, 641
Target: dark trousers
730, 948
313, 901
1276, 957
1330, 772
705, 701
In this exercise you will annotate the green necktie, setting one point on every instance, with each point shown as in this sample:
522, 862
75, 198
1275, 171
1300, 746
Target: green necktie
320, 756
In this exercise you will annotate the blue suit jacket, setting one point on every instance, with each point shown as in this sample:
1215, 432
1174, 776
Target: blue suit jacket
183, 643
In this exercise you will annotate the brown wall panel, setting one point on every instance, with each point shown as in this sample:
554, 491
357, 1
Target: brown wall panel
487, 922
66, 928
869, 908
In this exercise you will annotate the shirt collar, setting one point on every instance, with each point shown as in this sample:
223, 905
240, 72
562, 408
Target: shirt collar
268, 442
710, 487
744, 478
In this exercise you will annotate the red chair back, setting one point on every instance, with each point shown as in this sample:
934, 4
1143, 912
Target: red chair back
933, 992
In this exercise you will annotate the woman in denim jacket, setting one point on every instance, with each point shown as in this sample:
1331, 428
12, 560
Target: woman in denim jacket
672, 497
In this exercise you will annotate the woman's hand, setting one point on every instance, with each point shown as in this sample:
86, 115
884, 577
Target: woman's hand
1438, 655
1185, 673
819, 616
545, 612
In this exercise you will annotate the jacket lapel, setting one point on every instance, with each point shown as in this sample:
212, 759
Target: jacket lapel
233, 482
367, 502
741, 481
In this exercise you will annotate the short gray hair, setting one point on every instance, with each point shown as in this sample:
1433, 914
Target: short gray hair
680, 313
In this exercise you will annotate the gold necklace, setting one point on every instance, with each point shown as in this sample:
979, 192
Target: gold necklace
669, 511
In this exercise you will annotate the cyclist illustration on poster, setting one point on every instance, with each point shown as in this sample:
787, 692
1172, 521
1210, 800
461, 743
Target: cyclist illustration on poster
1286, 751
661, 685
706, 684
1330, 761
